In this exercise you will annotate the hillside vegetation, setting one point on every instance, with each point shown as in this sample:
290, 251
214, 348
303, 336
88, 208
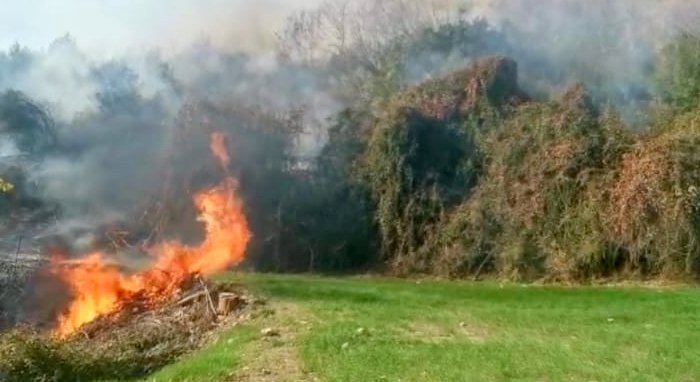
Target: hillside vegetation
471, 177
448, 156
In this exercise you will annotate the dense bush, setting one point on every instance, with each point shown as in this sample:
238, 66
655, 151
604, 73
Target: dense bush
423, 154
559, 190
538, 196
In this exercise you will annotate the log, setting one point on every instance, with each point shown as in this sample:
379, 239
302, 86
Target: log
227, 303
191, 297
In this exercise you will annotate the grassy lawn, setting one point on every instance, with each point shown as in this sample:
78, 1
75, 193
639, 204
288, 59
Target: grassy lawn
367, 329
214, 363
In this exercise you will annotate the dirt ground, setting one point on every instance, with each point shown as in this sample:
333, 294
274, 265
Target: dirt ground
275, 356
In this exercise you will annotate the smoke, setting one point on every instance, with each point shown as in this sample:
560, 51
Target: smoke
115, 27
631, 20
8, 148
609, 45
119, 112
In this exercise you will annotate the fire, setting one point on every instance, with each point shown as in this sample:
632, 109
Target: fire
218, 148
99, 288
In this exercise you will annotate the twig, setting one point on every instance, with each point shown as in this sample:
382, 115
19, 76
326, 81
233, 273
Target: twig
15, 267
481, 266
191, 297
209, 300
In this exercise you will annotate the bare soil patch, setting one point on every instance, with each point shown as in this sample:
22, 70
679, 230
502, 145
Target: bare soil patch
274, 356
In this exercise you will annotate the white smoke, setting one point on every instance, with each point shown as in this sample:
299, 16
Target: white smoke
8, 148
114, 27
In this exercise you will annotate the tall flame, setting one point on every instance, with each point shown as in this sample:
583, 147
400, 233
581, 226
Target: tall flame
99, 288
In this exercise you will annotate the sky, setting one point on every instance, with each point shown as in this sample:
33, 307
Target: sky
110, 27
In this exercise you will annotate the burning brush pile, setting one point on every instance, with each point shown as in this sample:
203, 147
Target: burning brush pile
131, 342
120, 325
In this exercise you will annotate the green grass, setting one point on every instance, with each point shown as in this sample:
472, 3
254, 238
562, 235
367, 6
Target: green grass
213, 363
454, 331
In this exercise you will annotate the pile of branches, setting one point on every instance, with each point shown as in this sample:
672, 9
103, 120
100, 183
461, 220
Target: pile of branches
198, 308
131, 343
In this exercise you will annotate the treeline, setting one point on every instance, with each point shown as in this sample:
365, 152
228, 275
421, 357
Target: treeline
469, 175
471, 178
448, 158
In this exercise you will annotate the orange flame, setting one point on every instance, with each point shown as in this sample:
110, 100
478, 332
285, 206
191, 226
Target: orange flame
99, 288
218, 148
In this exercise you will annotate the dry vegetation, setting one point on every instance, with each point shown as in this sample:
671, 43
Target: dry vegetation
133, 342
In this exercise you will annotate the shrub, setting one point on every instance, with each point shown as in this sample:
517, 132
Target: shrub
423, 155
468, 179
536, 195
